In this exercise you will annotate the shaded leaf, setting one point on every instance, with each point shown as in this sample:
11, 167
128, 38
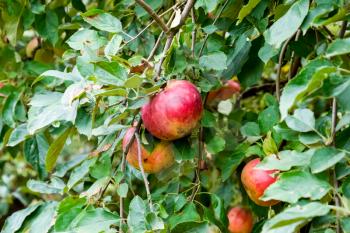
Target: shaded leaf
325, 158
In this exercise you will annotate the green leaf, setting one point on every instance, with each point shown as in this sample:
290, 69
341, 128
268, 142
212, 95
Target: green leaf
62, 169
85, 37
307, 81
102, 167
278, 32
338, 47
303, 120
11, 20
286, 160
113, 45
18, 135
247, 9
215, 144
56, 186
325, 158
183, 150
80, 172
291, 219
213, 61
73, 92
45, 218
188, 214
208, 119
345, 187
269, 145
47, 26
293, 185
137, 215
122, 190
8, 110
55, 150
207, 5
35, 150
250, 129
103, 21
133, 82
15, 221
110, 73
268, 118
96, 188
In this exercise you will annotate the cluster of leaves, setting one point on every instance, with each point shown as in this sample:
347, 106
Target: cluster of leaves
74, 75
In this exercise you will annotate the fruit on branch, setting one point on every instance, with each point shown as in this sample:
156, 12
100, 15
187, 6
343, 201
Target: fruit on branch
174, 112
154, 160
256, 181
230, 88
240, 220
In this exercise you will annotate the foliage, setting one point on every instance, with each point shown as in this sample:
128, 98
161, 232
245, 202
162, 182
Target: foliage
74, 75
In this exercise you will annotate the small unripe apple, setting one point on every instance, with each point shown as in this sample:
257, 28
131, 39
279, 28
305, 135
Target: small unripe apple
32, 46
230, 88
154, 161
174, 112
240, 220
256, 181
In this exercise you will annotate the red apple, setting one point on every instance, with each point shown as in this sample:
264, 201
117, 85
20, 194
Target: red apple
230, 88
174, 112
240, 220
160, 158
256, 181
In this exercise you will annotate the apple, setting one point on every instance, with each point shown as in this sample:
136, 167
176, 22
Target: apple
154, 161
256, 181
240, 220
230, 88
174, 112
32, 46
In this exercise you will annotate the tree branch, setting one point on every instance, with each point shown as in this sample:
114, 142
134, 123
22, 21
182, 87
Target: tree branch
139, 158
194, 32
199, 162
154, 15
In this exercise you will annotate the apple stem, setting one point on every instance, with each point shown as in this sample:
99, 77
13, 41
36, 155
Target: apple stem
139, 157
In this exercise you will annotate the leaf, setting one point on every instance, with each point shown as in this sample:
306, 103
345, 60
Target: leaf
80, 172
107, 130
345, 187
18, 135
103, 21
183, 150
96, 188
62, 169
122, 190
35, 150
55, 150
293, 185
269, 145
246, 9
58, 74
338, 47
325, 158
11, 21
8, 110
250, 129
85, 37
15, 221
207, 5
136, 217
213, 61
286, 160
45, 218
215, 144
278, 32
56, 187
292, 218
268, 118
208, 119
307, 81
188, 214
47, 26
133, 82
303, 120
113, 45
72, 92
110, 73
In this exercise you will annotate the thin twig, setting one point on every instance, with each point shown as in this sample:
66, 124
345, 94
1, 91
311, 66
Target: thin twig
194, 32
294, 59
139, 158
280, 60
154, 15
171, 34
214, 22
156, 45
200, 159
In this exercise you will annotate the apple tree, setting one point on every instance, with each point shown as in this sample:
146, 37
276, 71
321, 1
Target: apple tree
174, 116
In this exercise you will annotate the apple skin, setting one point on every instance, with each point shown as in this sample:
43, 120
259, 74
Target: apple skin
256, 181
240, 220
174, 112
230, 88
160, 158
